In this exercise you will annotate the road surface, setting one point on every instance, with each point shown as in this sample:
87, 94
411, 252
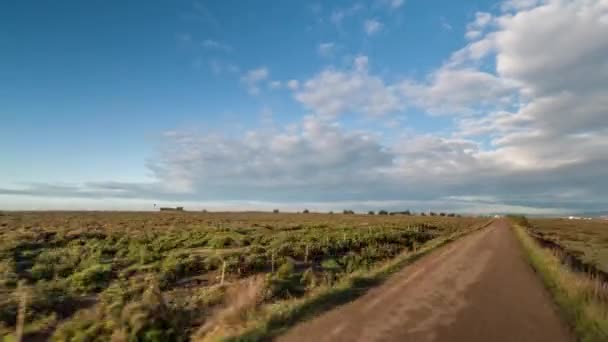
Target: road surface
478, 288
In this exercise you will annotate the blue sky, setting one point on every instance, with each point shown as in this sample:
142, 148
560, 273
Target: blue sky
234, 104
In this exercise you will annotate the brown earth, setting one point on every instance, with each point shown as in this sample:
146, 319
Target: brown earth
479, 288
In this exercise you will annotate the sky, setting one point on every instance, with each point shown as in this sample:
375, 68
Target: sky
470, 106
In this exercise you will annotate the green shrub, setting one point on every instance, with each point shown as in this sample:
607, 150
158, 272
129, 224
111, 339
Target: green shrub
42, 271
330, 264
92, 279
309, 279
139, 252
148, 319
286, 270
222, 242
257, 249
47, 296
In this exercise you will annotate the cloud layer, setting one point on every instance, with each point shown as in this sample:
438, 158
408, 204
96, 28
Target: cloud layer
529, 105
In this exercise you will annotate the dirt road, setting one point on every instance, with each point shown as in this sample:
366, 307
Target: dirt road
479, 288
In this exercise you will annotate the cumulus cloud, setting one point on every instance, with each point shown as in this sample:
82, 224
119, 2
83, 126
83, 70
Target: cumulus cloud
556, 133
219, 67
372, 26
253, 77
275, 84
529, 103
315, 154
564, 80
293, 84
339, 14
475, 29
457, 91
509, 5
326, 49
332, 92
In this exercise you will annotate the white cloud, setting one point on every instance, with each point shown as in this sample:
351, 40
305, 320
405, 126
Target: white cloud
338, 15
361, 63
333, 92
372, 26
215, 45
458, 91
316, 154
219, 67
509, 5
293, 84
445, 24
529, 102
253, 77
326, 49
476, 28
275, 84
390, 4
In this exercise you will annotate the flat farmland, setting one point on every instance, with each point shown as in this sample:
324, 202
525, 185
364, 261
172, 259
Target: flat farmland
159, 276
585, 239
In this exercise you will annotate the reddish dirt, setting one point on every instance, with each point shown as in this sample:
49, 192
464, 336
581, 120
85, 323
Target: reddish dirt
479, 288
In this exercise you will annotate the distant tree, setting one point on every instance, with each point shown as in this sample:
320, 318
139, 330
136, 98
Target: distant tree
432, 214
407, 212
276, 211
331, 213
371, 212
451, 215
348, 212
305, 211
204, 210
422, 213
441, 214
383, 212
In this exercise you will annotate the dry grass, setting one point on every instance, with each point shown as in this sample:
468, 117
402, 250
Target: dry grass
242, 299
583, 299
586, 239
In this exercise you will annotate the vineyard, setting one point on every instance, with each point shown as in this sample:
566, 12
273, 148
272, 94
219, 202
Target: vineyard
162, 276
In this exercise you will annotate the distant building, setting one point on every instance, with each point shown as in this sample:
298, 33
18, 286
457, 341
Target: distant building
172, 209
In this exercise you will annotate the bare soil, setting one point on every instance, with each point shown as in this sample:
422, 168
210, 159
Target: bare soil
479, 288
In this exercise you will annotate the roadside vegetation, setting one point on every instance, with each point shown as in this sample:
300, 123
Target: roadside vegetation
581, 295
585, 239
267, 322
179, 276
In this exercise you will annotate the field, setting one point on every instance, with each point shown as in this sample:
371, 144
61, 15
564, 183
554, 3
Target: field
585, 239
163, 276
571, 257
